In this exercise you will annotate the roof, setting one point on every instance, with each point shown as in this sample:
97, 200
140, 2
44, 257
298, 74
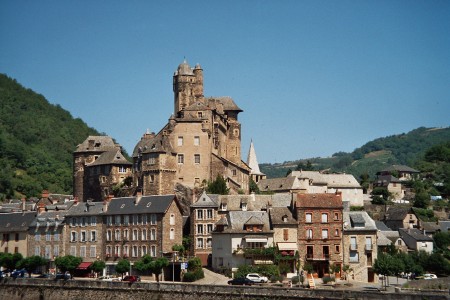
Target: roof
237, 220
281, 216
415, 234
279, 184
146, 204
399, 168
281, 200
445, 225
207, 200
384, 180
381, 226
315, 176
113, 157
184, 69
430, 227
88, 208
319, 201
358, 221
97, 144
395, 213
50, 218
331, 180
227, 103
252, 161
382, 239
12, 222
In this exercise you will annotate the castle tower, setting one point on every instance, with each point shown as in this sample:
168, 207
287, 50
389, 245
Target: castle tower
187, 86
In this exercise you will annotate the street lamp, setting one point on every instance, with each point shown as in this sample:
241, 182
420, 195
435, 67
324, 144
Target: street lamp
174, 257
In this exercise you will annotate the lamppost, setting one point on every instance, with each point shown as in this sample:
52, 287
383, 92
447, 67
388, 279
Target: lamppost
174, 257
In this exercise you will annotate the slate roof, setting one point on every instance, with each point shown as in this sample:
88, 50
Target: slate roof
430, 227
254, 202
384, 180
227, 103
353, 219
147, 204
331, 180
415, 234
315, 176
399, 168
381, 226
445, 225
277, 214
114, 157
13, 222
326, 200
252, 160
207, 200
397, 213
237, 220
97, 144
87, 208
382, 239
279, 184
50, 218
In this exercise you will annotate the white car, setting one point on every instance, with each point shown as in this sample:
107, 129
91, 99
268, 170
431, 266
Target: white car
108, 278
257, 278
429, 276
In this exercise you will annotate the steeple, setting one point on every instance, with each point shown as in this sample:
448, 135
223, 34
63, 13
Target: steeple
252, 162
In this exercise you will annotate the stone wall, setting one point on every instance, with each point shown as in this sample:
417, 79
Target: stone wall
31, 289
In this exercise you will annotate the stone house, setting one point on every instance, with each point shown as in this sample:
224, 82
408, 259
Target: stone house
288, 184
14, 232
84, 232
201, 141
398, 217
96, 180
393, 177
136, 226
320, 222
360, 245
402, 172
240, 238
415, 240
46, 235
392, 184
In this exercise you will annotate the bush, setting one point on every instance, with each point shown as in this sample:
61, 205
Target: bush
194, 276
295, 279
275, 278
327, 279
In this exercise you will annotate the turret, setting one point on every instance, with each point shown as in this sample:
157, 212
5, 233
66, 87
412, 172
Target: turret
187, 86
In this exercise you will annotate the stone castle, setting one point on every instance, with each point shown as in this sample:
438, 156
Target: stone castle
201, 141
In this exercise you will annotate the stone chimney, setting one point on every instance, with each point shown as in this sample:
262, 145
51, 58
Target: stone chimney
41, 208
23, 204
106, 202
138, 198
45, 194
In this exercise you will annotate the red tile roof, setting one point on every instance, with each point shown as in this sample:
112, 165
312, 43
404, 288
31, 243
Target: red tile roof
319, 201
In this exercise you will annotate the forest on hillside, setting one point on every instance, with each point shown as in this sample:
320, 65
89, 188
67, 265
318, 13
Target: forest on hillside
37, 140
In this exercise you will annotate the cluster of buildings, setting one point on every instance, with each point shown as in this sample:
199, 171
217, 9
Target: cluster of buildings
122, 209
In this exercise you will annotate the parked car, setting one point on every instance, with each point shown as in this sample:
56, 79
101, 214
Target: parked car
19, 273
2, 274
45, 276
240, 281
108, 278
131, 278
63, 276
257, 278
429, 276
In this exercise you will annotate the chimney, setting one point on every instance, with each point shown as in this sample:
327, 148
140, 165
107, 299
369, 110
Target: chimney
75, 200
45, 194
106, 202
138, 197
41, 208
23, 204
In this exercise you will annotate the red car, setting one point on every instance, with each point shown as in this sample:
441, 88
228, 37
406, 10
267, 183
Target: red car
131, 278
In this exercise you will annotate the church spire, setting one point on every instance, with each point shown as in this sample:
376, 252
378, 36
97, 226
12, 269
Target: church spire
252, 161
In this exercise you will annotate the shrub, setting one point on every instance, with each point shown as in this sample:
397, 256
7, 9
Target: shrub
295, 279
327, 279
194, 275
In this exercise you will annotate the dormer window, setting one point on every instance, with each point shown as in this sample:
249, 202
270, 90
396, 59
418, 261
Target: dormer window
284, 218
223, 206
244, 206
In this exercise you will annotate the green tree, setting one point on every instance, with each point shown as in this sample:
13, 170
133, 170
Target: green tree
218, 186
123, 266
158, 265
380, 195
382, 265
253, 187
31, 263
422, 199
194, 271
9, 260
98, 266
68, 263
180, 249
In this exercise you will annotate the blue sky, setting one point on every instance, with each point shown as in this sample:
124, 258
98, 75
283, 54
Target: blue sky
313, 77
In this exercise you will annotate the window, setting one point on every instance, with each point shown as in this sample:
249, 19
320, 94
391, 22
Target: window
144, 217
199, 214
93, 235
354, 257
108, 251
153, 234
208, 242
17, 237
117, 235
37, 236
309, 233
196, 158
152, 178
152, 219
199, 229
399, 242
48, 252
126, 219
135, 219
172, 219
324, 218
73, 250
117, 222
337, 248
180, 141
109, 235
56, 250
308, 218
353, 245
93, 221
56, 236
234, 172
209, 228
368, 243
48, 236
83, 221
83, 236
200, 114
6, 237
153, 251
180, 159
336, 216
92, 251
109, 220
135, 235
37, 251
125, 251
209, 213
172, 234
143, 250
144, 234
117, 251
324, 233
196, 141
73, 236
200, 243
223, 206
285, 234
336, 232
122, 169
134, 251
152, 159
125, 234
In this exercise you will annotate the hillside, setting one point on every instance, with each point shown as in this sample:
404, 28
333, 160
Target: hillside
405, 148
36, 142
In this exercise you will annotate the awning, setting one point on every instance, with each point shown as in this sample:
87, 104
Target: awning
84, 266
261, 239
287, 246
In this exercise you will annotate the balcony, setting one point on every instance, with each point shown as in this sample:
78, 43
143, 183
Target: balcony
353, 247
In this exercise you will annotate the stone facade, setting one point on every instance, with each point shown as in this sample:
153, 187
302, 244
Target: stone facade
14, 232
201, 141
320, 230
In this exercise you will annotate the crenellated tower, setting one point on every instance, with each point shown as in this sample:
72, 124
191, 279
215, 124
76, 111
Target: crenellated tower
187, 86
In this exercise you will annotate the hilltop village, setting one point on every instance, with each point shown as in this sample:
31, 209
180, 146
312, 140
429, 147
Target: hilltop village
121, 209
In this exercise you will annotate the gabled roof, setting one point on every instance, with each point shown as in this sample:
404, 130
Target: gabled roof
226, 102
415, 234
331, 180
97, 144
399, 168
430, 227
254, 202
326, 200
87, 208
146, 204
397, 213
281, 200
237, 220
207, 200
358, 221
254, 221
279, 184
381, 226
281, 216
50, 218
12, 222
384, 180
113, 157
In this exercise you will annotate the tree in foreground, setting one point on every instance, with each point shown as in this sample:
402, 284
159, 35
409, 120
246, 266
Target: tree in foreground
123, 266
98, 266
31, 263
68, 263
9, 260
152, 265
